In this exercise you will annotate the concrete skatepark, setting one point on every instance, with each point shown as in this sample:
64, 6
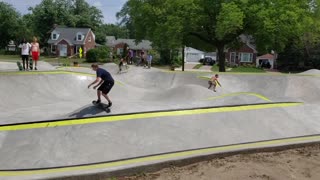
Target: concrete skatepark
50, 129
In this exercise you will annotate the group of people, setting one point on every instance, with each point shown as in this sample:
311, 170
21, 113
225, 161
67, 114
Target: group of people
28, 49
143, 60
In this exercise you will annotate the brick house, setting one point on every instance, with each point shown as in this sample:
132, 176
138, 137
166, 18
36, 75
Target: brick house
117, 45
246, 54
65, 41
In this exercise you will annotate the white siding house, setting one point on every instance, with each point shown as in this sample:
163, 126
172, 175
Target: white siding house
193, 55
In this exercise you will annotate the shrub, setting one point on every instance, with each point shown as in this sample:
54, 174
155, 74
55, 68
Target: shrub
100, 54
92, 55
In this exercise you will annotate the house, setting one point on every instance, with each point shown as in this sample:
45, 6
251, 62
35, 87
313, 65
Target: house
118, 45
192, 55
266, 61
66, 41
246, 54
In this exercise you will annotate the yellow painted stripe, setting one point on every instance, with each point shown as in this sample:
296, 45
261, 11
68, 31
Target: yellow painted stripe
240, 93
169, 156
142, 116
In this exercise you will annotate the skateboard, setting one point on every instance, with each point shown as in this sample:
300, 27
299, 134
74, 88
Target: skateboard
102, 106
19, 66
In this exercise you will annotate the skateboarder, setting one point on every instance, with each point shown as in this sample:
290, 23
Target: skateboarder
105, 83
213, 82
121, 63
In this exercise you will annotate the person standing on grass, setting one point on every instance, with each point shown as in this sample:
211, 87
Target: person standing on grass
105, 83
149, 60
25, 49
35, 52
213, 82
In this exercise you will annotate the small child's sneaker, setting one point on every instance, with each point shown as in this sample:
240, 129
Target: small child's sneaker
109, 104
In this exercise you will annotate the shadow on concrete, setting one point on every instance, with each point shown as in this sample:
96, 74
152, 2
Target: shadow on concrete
87, 111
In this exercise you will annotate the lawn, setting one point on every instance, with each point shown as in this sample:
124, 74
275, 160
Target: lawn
198, 66
247, 69
51, 60
9, 58
63, 61
239, 69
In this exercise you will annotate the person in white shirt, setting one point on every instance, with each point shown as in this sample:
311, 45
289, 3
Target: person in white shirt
25, 49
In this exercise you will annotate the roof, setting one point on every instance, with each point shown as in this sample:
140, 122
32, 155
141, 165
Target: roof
144, 44
249, 41
69, 34
246, 40
266, 56
193, 50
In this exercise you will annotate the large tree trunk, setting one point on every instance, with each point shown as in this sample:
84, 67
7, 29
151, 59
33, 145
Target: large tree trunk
221, 57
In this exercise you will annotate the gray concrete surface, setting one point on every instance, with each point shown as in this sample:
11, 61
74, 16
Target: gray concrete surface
10, 66
36, 97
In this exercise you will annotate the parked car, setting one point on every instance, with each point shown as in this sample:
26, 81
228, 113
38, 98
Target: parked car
207, 61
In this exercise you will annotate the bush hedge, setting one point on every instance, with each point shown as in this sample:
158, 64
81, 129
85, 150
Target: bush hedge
99, 54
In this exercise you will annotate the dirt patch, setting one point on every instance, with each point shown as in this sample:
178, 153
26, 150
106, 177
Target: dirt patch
295, 164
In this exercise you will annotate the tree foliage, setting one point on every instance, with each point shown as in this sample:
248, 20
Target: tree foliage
11, 26
218, 23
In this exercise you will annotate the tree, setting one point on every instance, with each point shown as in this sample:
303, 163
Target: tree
9, 24
171, 23
71, 13
111, 30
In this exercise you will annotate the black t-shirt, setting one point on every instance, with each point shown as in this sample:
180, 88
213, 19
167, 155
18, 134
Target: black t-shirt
104, 75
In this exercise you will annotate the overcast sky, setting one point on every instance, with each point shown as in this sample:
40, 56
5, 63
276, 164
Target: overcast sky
109, 8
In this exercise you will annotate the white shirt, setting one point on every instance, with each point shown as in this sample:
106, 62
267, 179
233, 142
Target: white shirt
25, 48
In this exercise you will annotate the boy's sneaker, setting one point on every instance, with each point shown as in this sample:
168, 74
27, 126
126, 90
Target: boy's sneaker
98, 102
109, 104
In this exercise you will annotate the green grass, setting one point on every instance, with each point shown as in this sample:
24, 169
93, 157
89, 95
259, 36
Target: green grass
198, 66
247, 69
239, 69
215, 68
9, 57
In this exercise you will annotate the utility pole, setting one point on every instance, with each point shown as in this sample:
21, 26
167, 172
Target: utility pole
183, 58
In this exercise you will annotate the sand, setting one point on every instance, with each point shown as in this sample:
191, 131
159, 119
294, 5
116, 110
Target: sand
295, 164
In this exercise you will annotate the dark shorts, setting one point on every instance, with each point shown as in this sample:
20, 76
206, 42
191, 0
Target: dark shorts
106, 87
25, 57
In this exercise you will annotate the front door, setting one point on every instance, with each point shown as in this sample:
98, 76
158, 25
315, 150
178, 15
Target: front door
233, 56
63, 50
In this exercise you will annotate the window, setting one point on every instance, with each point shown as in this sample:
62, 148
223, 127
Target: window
54, 36
246, 57
79, 37
89, 39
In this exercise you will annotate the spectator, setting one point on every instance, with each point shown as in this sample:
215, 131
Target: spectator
25, 49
